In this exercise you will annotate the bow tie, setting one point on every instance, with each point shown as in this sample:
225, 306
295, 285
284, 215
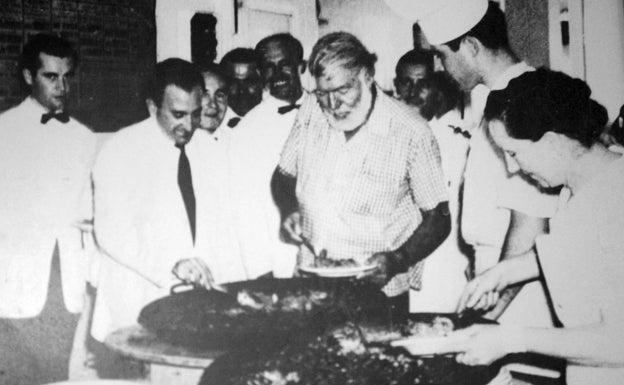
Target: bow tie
233, 122
458, 130
285, 109
62, 117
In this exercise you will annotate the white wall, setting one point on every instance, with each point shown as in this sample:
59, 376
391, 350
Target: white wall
173, 20
377, 26
604, 52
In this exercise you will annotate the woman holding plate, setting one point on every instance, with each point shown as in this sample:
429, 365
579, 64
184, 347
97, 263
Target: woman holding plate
549, 129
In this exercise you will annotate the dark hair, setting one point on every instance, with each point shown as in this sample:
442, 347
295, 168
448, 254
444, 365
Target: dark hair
617, 129
544, 100
173, 71
293, 45
239, 55
342, 48
416, 57
491, 30
49, 44
440, 94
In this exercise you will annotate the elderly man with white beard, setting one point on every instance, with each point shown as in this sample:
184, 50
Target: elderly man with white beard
360, 174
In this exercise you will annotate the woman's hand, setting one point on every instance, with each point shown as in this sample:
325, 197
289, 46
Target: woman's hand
484, 344
483, 291
194, 271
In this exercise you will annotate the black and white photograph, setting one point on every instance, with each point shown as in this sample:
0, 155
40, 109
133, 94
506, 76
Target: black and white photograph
311, 192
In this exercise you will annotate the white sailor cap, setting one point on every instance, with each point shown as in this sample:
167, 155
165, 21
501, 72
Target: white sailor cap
441, 20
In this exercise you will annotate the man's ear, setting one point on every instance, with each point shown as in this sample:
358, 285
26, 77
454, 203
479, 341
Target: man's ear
151, 107
472, 44
28, 78
302, 66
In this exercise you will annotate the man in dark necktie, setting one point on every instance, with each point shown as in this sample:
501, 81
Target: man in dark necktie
45, 161
149, 191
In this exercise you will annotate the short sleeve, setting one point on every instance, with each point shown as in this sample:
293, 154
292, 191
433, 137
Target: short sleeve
612, 252
289, 157
425, 171
516, 193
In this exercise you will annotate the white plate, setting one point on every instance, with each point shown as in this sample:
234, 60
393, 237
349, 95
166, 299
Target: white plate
425, 346
337, 272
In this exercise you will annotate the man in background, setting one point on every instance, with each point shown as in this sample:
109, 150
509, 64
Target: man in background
244, 83
45, 161
214, 138
413, 66
256, 146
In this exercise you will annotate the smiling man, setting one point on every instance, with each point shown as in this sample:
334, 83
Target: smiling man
365, 170
148, 190
45, 160
256, 146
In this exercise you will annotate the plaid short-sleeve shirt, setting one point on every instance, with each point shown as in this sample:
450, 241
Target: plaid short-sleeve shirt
363, 196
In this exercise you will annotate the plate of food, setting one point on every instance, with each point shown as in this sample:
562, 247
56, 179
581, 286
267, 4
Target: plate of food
349, 270
324, 266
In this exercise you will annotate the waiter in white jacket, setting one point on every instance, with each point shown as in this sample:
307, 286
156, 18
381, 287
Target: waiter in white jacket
148, 201
45, 161
502, 214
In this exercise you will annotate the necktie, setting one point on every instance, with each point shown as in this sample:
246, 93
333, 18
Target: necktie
62, 117
285, 109
185, 182
233, 122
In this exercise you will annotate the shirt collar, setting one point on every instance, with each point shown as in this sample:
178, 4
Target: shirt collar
511, 73
376, 123
272, 100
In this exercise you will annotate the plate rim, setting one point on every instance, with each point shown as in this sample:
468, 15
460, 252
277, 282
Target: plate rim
338, 271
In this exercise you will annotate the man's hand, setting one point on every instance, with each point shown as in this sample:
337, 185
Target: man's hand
387, 267
483, 291
291, 228
194, 271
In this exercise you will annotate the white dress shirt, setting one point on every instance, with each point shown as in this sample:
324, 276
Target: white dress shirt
443, 277
490, 194
256, 145
141, 224
44, 172
223, 253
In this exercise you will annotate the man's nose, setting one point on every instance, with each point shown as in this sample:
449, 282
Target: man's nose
333, 101
512, 164
210, 102
62, 84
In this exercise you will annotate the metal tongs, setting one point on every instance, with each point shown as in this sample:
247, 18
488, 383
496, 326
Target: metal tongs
317, 257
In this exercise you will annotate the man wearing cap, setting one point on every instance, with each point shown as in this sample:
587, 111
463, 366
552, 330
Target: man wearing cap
502, 214
362, 172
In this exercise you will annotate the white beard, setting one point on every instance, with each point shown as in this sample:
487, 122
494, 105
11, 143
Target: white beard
356, 117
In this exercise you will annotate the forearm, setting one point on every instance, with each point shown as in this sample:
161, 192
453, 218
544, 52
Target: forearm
283, 189
432, 231
592, 345
519, 240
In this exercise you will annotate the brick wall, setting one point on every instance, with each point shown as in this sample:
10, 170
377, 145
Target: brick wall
116, 41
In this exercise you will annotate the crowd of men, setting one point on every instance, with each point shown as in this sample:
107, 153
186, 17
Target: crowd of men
237, 164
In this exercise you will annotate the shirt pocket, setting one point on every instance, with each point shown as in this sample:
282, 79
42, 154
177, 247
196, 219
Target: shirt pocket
370, 194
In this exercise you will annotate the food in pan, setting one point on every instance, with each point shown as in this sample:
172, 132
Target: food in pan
268, 312
347, 354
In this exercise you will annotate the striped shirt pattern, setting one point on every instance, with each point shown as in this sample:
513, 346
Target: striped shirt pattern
363, 196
